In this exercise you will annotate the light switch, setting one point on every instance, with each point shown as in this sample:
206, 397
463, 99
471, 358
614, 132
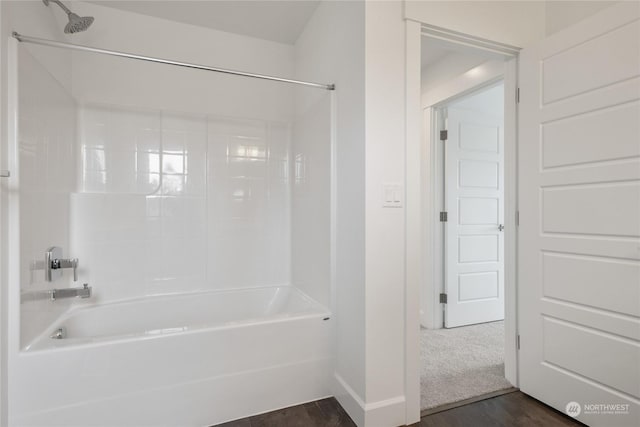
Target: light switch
392, 195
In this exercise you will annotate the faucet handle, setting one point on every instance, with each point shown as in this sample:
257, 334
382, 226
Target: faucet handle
74, 265
54, 263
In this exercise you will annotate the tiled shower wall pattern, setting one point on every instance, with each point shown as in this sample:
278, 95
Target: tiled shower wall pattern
169, 202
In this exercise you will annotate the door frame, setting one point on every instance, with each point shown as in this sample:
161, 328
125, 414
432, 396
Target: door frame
420, 212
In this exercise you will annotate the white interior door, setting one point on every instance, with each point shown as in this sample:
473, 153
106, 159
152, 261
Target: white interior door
474, 202
579, 234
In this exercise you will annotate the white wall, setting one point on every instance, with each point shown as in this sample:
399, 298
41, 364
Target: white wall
385, 227
561, 14
516, 23
369, 277
105, 79
454, 64
331, 49
3, 226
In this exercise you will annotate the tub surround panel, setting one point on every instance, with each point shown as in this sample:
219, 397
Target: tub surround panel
139, 217
47, 147
311, 151
248, 203
174, 202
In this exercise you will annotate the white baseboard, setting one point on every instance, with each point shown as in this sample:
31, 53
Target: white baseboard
384, 413
349, 400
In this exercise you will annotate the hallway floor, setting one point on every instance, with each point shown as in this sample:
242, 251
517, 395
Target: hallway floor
461, 363
508, 410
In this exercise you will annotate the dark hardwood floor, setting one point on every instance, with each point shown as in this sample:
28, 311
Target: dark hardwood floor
508, 410
321, 413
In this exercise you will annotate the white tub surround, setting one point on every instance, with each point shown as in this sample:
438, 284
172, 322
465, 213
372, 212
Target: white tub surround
191, 359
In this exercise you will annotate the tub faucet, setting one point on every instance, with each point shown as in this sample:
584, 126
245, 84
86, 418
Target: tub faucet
54, 263
83, 292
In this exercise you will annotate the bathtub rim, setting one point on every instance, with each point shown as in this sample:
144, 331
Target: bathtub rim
320, 311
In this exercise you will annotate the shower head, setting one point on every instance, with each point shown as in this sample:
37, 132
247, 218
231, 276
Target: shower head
76, 23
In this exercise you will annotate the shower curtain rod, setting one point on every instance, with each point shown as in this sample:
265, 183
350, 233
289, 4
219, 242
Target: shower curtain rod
52, 43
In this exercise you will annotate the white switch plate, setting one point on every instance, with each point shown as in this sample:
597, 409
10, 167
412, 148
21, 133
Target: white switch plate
392, 195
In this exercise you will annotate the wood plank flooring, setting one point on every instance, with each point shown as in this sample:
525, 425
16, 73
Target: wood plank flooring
508, 410
321, 413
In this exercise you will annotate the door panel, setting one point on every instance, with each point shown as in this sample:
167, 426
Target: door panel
480, 174
474, 199
578, 140
579, 204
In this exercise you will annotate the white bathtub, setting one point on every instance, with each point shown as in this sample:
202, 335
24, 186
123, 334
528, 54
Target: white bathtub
189, 360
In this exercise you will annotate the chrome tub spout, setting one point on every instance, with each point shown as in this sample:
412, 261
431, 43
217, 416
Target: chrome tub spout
83, 292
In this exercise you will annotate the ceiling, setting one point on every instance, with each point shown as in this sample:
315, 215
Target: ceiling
279, 21
432, 51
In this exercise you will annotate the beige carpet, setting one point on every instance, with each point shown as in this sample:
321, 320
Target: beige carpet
461, 363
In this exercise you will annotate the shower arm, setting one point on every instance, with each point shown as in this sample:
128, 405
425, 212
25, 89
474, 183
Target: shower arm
59, 3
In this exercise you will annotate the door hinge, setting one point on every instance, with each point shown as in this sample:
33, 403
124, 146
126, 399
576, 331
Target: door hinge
443, 298
444, 216
518, 96
518, 342
444, 135
517, 217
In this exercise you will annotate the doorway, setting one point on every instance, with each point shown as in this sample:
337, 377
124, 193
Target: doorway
462, 339
568, 235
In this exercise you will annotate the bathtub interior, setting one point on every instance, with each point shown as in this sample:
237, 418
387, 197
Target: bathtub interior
161, 315
156, 201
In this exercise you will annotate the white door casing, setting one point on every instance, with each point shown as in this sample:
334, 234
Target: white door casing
579, 204
474, 202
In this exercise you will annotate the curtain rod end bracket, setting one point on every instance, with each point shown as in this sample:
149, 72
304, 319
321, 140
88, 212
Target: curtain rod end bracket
331, 87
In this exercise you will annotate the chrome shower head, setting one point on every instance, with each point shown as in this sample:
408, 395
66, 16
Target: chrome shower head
76, 23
